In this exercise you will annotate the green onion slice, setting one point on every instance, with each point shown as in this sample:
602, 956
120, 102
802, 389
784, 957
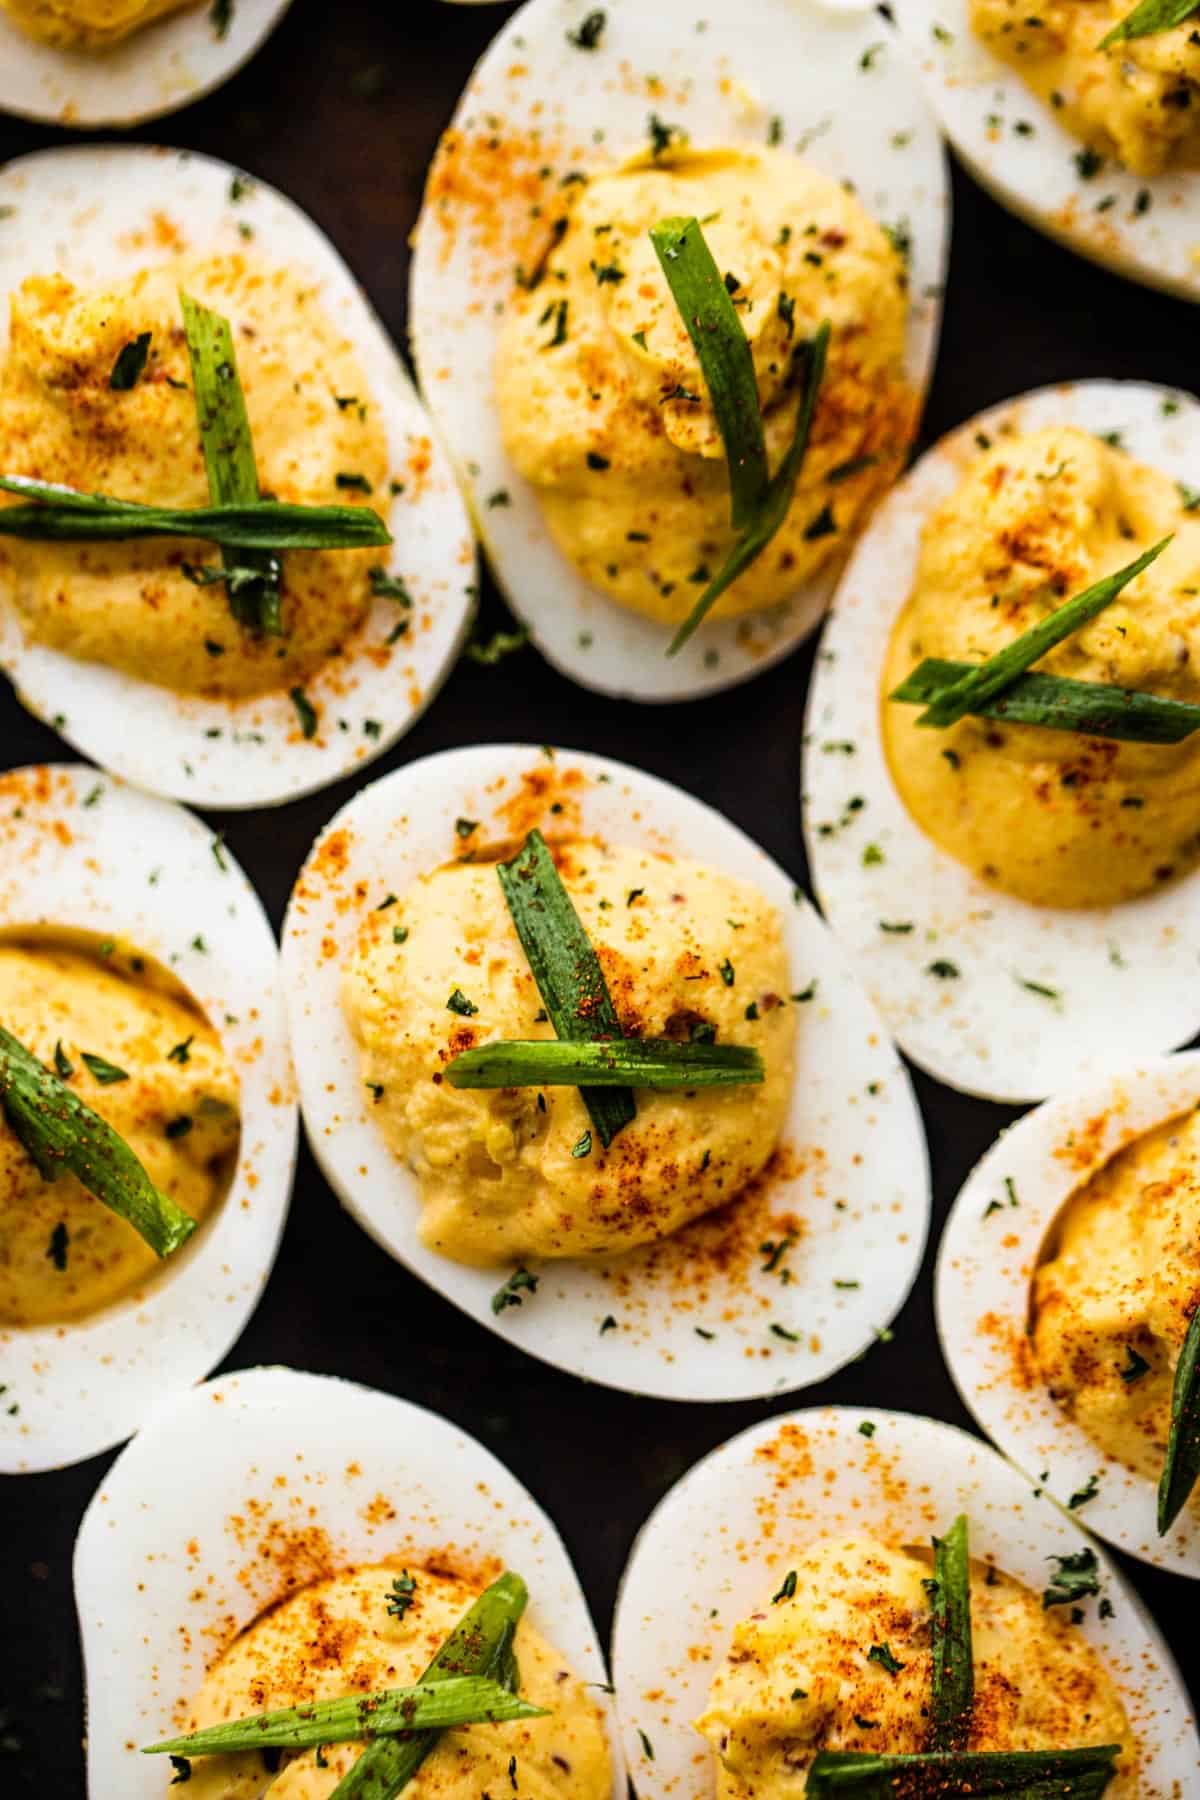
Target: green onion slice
985, 680
1058, 703
980, 1775
624, 1062
778, 498
430, 1706
698, 290
566, 969
1181, 1471
953, 1663
59, 1132
65, 513
480, 1644
1149, 18
229, 454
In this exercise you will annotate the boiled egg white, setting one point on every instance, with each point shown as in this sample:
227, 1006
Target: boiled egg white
1146, 228
725, 1533
1036, 996
302, 1476
82, 853
835, 87
99, 214
154, 71
994, 1240
702, 1315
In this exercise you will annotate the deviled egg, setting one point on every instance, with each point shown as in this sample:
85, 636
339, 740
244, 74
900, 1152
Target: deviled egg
1022, 900
338, 1538
573, 388
139, 997
1083, 127
118, 62
786, 1607
230, 677
1067, 1279
740, 1218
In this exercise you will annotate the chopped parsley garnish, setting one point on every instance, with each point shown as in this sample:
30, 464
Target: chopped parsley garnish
787, 1590
64, 1068
106, 1073
403, 1593
1078, 1575
56, 1250
589, 32
519, 1282
130, 363
306, 712
458, 1003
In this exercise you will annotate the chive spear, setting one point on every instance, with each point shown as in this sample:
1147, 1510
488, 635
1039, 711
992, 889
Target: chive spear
985, 680
625, 1062
759, 502
60, 513
566, 969
480, 1644
1059, 703
1181, 1470
1149, 18
58, 1132
984, 1775
428, 1706
953, 1659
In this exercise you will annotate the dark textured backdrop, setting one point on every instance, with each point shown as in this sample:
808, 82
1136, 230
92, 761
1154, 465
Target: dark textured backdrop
341, 110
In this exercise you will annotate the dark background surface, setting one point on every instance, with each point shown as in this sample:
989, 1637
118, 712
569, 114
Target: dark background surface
341, 110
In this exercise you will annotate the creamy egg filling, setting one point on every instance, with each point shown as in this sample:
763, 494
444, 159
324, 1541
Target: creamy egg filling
1053, 817
339, 1637
87, 24
1114, 1293
1137, 100
318, 439
603, 407
844, 1663
136, 1051
686, 952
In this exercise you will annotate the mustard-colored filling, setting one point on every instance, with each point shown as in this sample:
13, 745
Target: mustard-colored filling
521, 1172
1137, 100
1050, 816
87, 24
130, 603
337, 1637
63, 1253
799, 1676
1112, 1300
603, 407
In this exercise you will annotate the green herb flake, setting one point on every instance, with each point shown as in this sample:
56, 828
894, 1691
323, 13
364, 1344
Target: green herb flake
787, 1590
56, 1250
458, 1003
103, 1071
1077, 1576
589, 32
519, 1283
130, 364
404, 1589
306, 712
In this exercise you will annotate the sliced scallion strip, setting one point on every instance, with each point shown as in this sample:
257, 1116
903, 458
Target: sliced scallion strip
1181, 1471
1149, 18
68, 514
480, 1644
953, 1661
229, 453
981, 1775
430, 1706
987, 679
621, 1062
778, 499
58, 1132
1058, 703
566, 969
726, 361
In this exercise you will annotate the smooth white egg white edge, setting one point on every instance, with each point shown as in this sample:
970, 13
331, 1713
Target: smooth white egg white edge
1035, 173
168, 65
874, 1154
985, 1269
274, 1444
87, 212
704, 1561
846, 117
1127, 975
83, 1386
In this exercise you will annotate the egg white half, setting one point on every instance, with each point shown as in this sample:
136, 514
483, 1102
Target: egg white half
98, 214
168, 65
727, 1531
1122, 979
323, 1473
853, 1121
753, 61
81, 851
984, 108
985, 1268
